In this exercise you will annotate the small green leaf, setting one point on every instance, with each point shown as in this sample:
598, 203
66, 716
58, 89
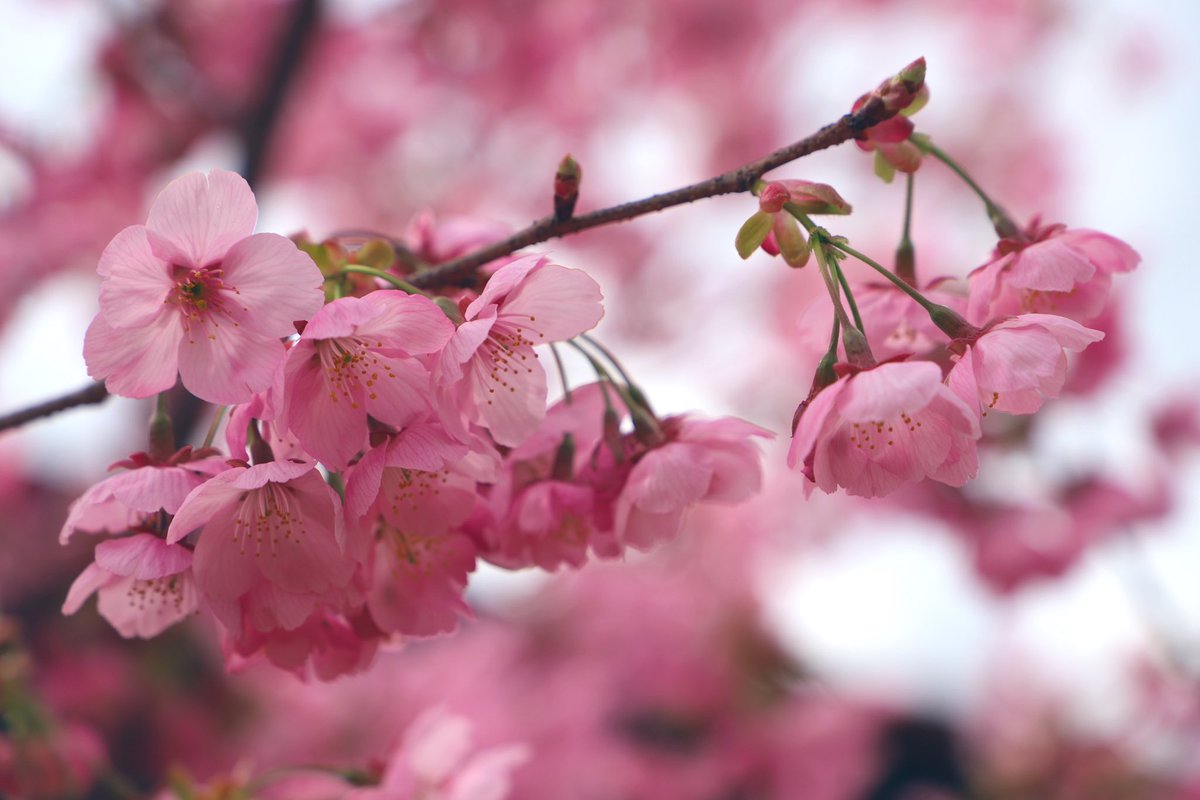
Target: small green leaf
750, 236
883, 169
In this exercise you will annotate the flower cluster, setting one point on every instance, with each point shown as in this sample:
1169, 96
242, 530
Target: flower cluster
382, 442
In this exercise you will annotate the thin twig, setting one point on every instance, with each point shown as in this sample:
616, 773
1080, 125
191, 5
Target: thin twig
90, 395
741, 179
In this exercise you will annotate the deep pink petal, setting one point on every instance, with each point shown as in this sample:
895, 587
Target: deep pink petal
322, 420
411, 323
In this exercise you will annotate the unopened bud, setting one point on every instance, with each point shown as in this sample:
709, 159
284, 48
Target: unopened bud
906, 262
772, 198
567, 178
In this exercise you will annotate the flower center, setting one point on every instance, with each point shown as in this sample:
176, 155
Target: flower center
266, 518
201, 295
507, 350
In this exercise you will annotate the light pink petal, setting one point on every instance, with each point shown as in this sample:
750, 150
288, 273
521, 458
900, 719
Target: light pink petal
312, 560
1067, 332
362, 485
1050, 265
510, 399
152, 488
203, 215
426, 503
983, 288
1108, 253
97, 511
553, 304
462, 347
91, 579
271, 472
145, 608
275, 282
134, 362
419, 582
142, 556
502, 282
961, 379
424, 446
889, 389
411, 323
228, 365
202, 503
399, 391
136, 282
487, 776
665, 479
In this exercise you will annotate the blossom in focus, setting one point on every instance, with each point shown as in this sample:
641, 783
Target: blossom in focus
1054, 270
1016, 364
489, 367
874, 430
195, 292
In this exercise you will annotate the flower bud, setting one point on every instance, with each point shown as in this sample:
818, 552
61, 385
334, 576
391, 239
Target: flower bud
566, 187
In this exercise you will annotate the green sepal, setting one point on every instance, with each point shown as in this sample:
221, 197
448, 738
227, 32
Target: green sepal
884, 169
752, 233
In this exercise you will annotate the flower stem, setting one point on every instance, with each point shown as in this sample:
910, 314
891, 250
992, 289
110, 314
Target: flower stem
906, 262
562, 373
841, 276
1001, 221
212, 428
885, 272
394, 281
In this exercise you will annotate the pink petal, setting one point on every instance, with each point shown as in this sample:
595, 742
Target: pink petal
229, 364
203, 215
202, 503
223, 569
134, 363
503, 281
410, 323
142, 556
513, 406
812, 423
322, 420
91, 579
553, 304
462, 347
144, 609
889, 389
400, 391
1108, 253
275, 281
1050, 265
136, 282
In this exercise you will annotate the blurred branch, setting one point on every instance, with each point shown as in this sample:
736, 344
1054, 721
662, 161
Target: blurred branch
90, 395
742, 179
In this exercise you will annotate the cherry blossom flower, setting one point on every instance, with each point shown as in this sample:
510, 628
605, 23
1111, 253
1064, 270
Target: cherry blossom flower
1053, 270
1015, 364
145, 585
195, 292
271, 543
354, 359
875, 430
489, 367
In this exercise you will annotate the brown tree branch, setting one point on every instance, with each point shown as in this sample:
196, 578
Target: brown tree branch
459, 270
90, 395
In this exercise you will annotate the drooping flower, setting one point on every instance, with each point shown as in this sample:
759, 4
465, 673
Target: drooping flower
271, 544
354, 359
195, 292
145, 585
874, 430
1016, 364
489, 366
1051, 270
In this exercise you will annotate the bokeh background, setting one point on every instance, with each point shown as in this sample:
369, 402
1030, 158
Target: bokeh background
1079, 111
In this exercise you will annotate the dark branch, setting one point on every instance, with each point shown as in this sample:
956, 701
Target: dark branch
90, 395
741, 179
